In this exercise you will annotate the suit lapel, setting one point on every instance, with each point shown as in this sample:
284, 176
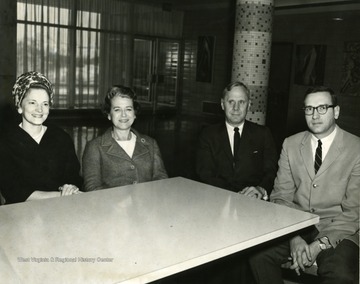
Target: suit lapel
331, 156
140, 148
246, 138
113, 148
117, 151
306, 154
224, 140
333, 153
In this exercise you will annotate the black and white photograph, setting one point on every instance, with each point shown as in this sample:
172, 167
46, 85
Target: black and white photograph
179, 141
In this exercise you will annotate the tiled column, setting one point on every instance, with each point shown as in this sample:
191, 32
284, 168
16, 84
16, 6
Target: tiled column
252, 49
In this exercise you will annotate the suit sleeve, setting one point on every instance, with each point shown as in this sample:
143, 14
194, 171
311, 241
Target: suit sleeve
284, 185
159, 171
72, 165
206, 168
270, 159
14, 188
346, 223
92, 167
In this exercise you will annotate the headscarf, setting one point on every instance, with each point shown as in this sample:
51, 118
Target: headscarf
27, 80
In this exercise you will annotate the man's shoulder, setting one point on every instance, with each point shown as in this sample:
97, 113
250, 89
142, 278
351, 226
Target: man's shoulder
349, 140
255, 127
213, 133
299, 135
349, 135
297, 138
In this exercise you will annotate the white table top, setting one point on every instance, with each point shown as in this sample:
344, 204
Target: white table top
134, 234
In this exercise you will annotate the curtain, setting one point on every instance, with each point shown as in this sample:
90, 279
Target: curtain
43, 47
85, 46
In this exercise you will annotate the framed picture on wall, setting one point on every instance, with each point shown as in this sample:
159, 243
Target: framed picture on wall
350, 84
310, 64
205, 57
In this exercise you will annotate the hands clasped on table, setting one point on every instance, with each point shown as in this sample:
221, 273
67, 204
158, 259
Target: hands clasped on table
68, 189
255, 192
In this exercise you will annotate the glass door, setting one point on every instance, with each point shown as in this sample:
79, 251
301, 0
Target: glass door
156, 69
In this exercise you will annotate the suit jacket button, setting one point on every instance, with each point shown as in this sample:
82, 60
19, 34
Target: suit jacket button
312, 210
132, 167
315, 185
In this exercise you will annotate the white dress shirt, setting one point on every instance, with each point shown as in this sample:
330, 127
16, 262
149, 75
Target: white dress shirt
230, 131
326, 143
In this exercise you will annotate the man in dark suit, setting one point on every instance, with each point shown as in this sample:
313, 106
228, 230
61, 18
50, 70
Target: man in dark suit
247, 165
319, 172
248, 168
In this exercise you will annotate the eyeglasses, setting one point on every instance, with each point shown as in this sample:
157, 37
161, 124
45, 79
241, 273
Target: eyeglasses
321, 109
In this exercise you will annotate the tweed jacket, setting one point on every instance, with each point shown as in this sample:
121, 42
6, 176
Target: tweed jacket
106, 164
257, 158
332, 193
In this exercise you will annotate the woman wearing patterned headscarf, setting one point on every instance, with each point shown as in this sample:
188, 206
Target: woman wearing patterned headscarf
36, 161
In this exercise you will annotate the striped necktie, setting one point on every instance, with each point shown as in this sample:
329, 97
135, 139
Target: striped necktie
318, 157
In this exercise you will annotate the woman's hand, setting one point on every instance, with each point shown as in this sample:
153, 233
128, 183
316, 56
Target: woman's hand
68, 189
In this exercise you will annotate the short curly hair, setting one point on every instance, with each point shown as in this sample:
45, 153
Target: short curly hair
119, 91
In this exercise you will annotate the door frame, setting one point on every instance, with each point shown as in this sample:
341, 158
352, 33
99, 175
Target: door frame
154, 76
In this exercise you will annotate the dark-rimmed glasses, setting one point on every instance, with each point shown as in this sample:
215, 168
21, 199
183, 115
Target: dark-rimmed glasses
321, 109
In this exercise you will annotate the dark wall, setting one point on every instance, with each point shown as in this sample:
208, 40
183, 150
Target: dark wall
220, 24
321, 29
292, 27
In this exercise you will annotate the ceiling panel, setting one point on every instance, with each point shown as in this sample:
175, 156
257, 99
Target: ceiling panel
215, 4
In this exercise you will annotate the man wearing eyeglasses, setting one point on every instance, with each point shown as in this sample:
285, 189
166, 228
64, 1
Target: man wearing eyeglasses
319, 172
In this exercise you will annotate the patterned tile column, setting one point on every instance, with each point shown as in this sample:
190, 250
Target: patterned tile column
252, 50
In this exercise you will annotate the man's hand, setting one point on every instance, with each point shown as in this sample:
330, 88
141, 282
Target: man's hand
253, 191
306, 260
314, 252
300, 254
68, 189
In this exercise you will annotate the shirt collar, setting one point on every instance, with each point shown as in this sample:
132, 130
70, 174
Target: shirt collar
327, 139
326, 143
230, 128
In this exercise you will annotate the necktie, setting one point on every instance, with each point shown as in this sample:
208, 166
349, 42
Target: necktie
236, 143
318, 156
